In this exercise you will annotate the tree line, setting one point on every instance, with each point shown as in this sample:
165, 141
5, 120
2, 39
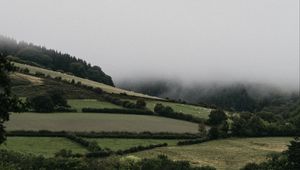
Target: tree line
31, 54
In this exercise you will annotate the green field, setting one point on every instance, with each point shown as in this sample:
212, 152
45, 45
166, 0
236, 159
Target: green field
117, 143
78, 104
196, 111
97, 122
226, 154
68, 77
46, 146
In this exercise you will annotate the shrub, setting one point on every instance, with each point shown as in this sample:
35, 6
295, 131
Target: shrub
141, 104
117, 111
193, 141
140, 148
216, 117
41, 103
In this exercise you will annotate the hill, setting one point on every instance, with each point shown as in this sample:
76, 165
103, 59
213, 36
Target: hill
31, 54
55, 74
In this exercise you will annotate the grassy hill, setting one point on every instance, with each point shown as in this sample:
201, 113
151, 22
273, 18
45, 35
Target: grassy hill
225, 154
64, 76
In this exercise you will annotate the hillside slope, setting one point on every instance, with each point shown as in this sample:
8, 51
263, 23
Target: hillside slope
51, 59
64, 76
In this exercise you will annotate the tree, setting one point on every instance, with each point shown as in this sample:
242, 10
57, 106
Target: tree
158, 108
202, 129
293, 153
58, 98
214, 133
216, 117
7, 102
141, 104
41, 103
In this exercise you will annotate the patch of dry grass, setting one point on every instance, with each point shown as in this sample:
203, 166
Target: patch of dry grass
226, 154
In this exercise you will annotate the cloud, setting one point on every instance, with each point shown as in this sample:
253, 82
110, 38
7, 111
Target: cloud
191, 41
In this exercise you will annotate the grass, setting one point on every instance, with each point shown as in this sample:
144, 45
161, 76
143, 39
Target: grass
106, 88
117, 144
97, 122
46, 146
196, 111
226, 154
78, 104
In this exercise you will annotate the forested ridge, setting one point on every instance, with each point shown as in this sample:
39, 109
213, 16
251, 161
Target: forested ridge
31, 54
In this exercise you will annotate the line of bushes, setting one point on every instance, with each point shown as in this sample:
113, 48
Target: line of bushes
106, 153
92, 146
130, 135
112, 110
140, 104
140, 148
193, 141
167, 111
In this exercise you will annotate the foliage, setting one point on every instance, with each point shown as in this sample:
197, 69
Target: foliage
31, 162
140, 103
90, 145
41, 103
7, 102
216, 117
193, 141
140, 148
167, 111
289, 160
117, 111
130, 135
250, 124
49, 102
51, 59
293, 154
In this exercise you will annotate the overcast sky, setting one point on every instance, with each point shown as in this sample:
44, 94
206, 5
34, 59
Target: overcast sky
196, 40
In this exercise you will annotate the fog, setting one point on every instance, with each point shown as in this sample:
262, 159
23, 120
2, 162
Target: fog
189, 41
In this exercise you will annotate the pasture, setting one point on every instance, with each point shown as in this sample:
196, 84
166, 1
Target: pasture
68, 77
46, 146
224, 154
97, 122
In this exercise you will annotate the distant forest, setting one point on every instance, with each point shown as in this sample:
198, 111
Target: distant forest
235, 97
31, 54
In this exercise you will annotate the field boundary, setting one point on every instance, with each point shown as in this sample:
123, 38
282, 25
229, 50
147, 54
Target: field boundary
128, 135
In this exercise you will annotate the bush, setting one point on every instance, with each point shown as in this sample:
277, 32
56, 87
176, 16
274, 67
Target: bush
117, 111
216, 117
132, 135
214, 133
191, 142
141, 104
91, 146
167, 111
140, 148
41, 103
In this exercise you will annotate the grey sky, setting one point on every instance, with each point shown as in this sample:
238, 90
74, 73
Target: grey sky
196, 40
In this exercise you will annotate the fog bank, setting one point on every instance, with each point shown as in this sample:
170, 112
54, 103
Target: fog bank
187, 40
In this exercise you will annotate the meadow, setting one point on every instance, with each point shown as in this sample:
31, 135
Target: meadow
46, 146
78, 104
68, 77
97, 122
224, 154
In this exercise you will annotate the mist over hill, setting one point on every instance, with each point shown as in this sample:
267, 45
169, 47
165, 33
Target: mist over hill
239, 96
